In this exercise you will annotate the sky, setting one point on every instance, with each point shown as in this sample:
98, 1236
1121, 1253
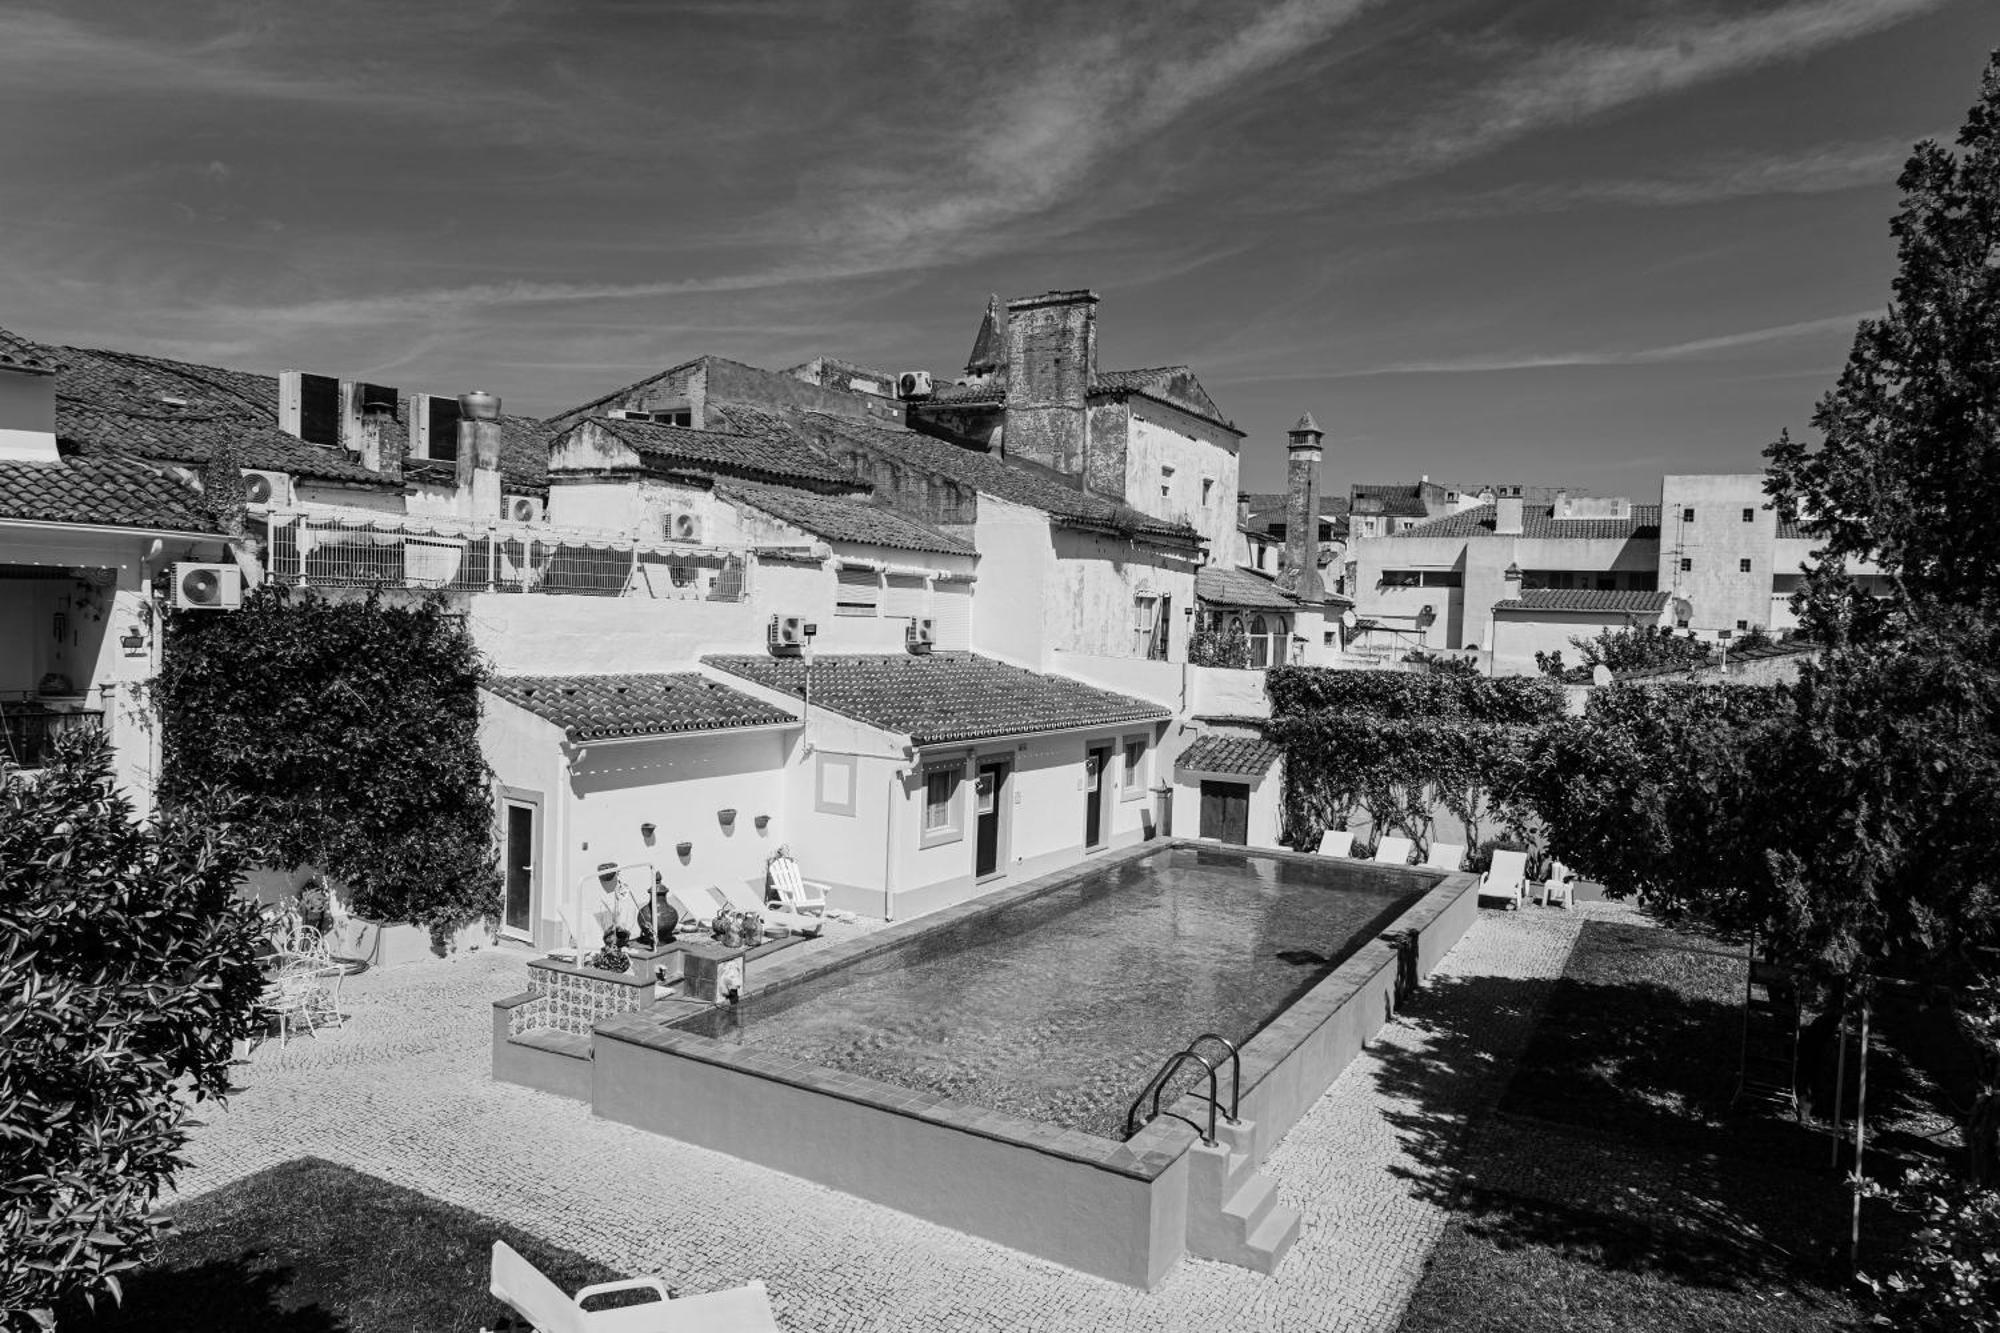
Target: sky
1559, 242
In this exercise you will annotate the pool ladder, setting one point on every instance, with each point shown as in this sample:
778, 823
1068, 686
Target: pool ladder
1156, 1086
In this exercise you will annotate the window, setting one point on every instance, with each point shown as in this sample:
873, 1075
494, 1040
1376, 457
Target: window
1686, 565
1166, 481
1163, 625
1750, 516
1687, 515
1402, 578
1132, 780
1743, 565
859, 592
942, 821
1145, 622
1743, 624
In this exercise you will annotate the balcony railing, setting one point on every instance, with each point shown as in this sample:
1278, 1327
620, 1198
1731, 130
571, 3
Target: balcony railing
309, 550
28, 731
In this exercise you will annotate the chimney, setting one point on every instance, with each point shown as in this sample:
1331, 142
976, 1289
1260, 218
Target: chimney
479, 455
378, 406
1561, 509
1242, 512
27, 409
1301, 576
1507, 516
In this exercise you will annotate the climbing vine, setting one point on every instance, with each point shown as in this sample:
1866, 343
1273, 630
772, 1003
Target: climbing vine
347, 730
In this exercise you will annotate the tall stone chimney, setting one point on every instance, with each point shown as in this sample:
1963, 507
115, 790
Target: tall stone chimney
378, 408
1051, 364
1301, 573
1507, 516
479, 455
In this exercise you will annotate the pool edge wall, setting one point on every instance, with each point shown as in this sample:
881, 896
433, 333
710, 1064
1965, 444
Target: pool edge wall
1129, 1228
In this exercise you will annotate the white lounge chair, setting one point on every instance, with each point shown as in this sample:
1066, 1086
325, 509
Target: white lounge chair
1336, 842
1561, 883
1445, 856
1394, 851
741, 898
794, 890
547, 1309
1507, 878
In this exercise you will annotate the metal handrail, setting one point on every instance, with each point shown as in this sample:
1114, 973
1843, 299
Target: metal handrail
1157, 1085
1235, 1071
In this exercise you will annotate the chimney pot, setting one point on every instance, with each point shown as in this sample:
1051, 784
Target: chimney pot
479, 405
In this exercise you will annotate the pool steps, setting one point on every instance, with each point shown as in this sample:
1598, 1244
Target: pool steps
1234, 1214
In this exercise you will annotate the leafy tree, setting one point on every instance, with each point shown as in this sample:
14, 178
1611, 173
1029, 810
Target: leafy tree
1635, 648
128, 968
1906, 473
348, 729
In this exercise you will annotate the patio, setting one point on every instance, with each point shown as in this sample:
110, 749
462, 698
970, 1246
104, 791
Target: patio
402, 1090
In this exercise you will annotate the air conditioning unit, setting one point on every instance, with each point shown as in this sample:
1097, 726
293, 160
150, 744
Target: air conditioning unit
786, 635
207, 587
267, 488
913, 384
920, 635
683, 527
521, 508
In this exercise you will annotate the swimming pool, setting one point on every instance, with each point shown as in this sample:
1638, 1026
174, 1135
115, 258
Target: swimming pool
1060, 1006
970, 1067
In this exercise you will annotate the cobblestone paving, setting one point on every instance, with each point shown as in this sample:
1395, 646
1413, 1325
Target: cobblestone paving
401, 1090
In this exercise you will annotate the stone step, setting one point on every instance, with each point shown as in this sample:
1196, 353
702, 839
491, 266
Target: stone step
1250, 1205
1271, 1241
554, 1040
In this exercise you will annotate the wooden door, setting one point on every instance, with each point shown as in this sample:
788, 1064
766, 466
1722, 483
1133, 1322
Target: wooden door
1225, 812
990, 792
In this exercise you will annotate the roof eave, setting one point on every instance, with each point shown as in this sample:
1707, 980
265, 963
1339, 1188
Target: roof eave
111, 529
587, 742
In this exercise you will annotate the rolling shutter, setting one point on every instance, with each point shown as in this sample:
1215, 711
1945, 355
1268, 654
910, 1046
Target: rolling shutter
904, 595
859, 592
951, 610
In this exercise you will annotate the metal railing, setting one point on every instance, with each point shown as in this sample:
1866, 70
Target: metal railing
1156, 1087
318, 550
28, 732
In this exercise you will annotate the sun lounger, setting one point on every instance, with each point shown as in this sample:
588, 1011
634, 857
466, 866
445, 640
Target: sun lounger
1394, 851
794, 890
1445, 856
1336, 842
1507, 878
547, 1309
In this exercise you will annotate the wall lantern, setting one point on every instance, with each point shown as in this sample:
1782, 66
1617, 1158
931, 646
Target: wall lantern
728, 818
1427, 616
1513, 573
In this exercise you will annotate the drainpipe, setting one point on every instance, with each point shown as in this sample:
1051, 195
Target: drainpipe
889, 847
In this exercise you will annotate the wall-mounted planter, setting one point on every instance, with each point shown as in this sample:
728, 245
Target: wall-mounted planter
684, 850
763, 822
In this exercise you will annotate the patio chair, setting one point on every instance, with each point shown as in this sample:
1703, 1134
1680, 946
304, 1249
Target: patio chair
1394, 851
1445, 856
1337, 842
547, 1309
1506, 878
795, 892
292, 996
1561, 883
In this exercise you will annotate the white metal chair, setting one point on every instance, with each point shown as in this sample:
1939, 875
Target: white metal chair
1561, 883
1507, 878
1394, 851
548, 1309
1337, 842
1445, 856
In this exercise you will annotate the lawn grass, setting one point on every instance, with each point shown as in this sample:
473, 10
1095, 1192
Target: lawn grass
1615, 1188
311, 1247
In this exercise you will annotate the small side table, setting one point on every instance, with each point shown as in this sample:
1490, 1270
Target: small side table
712, 972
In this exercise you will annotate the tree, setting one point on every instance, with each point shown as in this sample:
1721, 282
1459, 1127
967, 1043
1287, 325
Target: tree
129, 968
349, 732
1906, 472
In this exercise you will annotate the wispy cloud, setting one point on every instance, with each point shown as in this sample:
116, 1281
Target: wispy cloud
1575, 81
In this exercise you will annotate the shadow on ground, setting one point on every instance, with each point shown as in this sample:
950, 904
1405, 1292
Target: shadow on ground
1605, 1179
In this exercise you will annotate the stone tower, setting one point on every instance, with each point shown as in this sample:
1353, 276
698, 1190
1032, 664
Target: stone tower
1301, 573
1052, 362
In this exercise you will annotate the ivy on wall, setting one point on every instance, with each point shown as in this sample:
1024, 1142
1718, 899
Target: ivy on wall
1400, 748
348, 731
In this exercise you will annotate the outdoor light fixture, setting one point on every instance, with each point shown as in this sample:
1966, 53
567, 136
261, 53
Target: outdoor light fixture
1513, 573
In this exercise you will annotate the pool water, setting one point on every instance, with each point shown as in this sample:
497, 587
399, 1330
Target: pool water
1060, 1006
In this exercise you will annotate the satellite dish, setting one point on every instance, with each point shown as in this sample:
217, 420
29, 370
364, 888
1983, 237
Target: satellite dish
1347, 620
1600, 674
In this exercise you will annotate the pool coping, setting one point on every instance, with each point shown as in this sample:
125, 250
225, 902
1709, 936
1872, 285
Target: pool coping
1156, 1147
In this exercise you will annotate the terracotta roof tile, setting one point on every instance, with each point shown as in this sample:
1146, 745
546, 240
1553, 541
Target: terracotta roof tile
1174, 385
600, 707
1239, 756
1240, 587
770, 455
943, 697
1585, 599
843, 520
1537, 523
991, 393
110, 491
19, 353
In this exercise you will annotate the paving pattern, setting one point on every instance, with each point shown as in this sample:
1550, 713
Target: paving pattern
401, 1090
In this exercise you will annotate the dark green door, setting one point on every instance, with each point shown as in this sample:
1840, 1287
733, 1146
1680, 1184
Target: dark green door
1225, 812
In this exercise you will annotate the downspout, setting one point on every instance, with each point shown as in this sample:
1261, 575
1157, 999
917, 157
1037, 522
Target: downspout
889, 847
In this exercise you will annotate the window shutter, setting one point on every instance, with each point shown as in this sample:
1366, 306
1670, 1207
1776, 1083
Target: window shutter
904, 595
951, 612
859, 592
